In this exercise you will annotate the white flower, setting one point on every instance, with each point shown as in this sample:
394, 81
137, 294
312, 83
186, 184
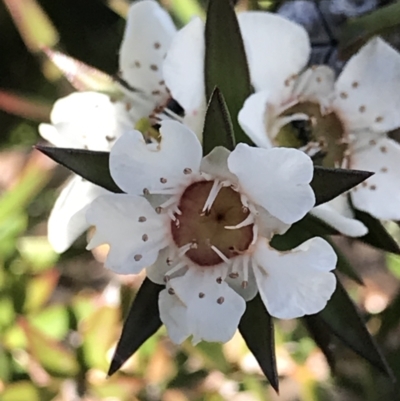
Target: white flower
90, 120
203, 226
345, 122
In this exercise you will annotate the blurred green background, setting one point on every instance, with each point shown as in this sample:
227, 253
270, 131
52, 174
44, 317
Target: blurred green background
60, 316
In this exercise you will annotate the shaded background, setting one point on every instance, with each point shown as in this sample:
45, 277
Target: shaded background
60, 316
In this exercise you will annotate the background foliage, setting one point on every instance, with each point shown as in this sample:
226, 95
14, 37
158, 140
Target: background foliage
60, 316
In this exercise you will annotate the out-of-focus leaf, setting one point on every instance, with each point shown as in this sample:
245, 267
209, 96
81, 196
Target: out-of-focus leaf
218, 129
98, 341
33, 24
21, 391
322, 337
393, 264
32, 179
213, 355
328, 183
257, 329
142, 322
52, 356
37, 251
89, 164
377, 235
225, 60
343, 320
83, 77
185, 10
39, 289
357, 31
53, 321
118, 388
25, 106
7, 314
389, 318
10, 228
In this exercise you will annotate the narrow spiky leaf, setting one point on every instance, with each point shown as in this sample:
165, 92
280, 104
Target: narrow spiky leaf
218, 129
89, 164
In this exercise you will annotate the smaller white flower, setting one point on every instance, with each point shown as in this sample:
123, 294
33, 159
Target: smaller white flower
90, 120
208, 240
344, 122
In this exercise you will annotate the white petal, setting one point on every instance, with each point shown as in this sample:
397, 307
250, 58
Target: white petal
380, 195
134, 244
214, 316
136, 165
298, 282
276, 179
316, 84
252, 118
269, 225
250, 290
337, 214
173, 314
276, 49
216, 164
85, 120
147, 38
67, 219
368, 89
184, 72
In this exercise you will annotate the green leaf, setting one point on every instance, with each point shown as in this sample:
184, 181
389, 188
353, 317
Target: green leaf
142, 322
328, 183
343, 320
91, 165
377, 235
322, 337
225, 60
218, 129
257, 329
357, 31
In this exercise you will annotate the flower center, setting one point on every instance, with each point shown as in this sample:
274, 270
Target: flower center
206, 228
321, 136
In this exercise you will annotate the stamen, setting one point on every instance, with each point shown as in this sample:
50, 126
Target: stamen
212, 195
186, 248
255, 234
171, 291
176, 268
246, 222
220, 254
246, 260
220, 300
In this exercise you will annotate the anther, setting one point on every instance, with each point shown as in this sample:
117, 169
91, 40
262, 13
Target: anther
234, 275
201, 294
137, 258
142, 219
169, 261
159, 209
163, 180
166, 278
220, 300
219, 280
145, 237
245, 284
171, 291
146, 191
187, 170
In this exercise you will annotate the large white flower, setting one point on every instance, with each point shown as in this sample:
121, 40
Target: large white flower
203, 226
345, 122
277, 50
90, 120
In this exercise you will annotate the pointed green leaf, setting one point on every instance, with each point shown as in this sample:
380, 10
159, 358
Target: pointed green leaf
328, 183
342, 318
257, 329
322, 337
218, 129
142, 322
377, 235
91, 165
225, 60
